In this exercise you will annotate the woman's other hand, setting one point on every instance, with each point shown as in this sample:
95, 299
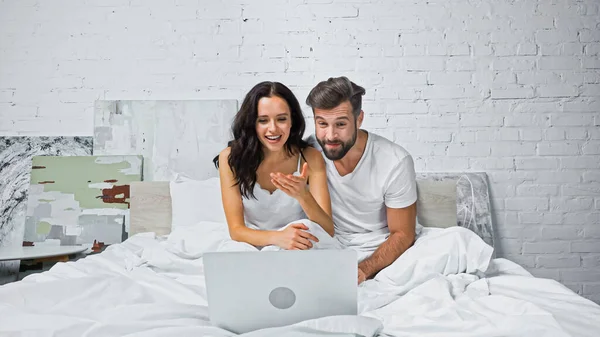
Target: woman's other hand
294, 186
295, 237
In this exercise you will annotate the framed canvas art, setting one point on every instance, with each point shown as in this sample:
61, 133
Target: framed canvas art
80, 199
15, 163
175, 137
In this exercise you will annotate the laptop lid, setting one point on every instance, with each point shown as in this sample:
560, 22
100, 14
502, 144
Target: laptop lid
247, 291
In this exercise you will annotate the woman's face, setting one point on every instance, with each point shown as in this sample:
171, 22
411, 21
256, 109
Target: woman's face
273, 123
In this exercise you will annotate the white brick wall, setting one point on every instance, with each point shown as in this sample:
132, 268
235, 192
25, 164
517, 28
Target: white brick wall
510, 88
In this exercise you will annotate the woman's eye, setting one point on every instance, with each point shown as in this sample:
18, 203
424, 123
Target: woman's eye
282, 119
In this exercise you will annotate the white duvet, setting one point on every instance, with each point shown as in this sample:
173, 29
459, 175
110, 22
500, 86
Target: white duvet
445, 285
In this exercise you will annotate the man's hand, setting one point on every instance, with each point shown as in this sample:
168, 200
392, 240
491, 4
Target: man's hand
295, 237
361, 276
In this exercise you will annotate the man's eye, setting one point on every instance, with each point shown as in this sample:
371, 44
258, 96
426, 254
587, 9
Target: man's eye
341, 124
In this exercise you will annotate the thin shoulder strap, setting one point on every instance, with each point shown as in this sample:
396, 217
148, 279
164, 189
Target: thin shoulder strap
299, 157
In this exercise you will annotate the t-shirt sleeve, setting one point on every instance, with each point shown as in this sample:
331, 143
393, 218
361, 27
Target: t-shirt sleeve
401, 189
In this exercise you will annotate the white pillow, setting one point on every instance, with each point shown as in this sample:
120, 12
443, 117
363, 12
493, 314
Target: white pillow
193, 201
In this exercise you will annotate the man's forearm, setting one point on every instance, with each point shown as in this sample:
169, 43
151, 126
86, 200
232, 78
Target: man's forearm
395, 245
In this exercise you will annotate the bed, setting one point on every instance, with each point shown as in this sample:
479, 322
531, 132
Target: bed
152, 284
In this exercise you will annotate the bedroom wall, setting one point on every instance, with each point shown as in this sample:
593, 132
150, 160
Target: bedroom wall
510, 88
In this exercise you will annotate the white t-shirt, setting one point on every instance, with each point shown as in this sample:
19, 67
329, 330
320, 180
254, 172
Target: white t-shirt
384, 176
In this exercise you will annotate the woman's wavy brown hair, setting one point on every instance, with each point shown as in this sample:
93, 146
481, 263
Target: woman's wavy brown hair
246, 149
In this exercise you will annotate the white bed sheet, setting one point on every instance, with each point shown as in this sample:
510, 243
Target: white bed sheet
445, 285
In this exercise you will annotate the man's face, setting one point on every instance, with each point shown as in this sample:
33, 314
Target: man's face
336, 130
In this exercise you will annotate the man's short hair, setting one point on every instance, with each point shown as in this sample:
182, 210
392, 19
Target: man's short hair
333, 92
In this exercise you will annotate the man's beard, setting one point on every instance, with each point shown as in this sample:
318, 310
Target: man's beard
339, 152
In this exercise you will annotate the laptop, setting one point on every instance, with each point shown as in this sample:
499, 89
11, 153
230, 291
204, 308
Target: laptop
247, 291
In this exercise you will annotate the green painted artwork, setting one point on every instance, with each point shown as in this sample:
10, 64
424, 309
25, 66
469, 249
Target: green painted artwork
80, 199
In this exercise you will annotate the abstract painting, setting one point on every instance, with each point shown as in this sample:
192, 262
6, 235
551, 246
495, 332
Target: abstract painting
78, 200
175, 137
15, 167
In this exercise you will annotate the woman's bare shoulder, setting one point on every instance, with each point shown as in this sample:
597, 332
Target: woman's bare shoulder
225, 152
223, 157
314, 158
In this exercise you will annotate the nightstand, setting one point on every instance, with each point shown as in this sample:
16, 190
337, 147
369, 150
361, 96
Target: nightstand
36, 259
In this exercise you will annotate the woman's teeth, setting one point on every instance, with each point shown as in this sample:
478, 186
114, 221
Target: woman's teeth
273, 137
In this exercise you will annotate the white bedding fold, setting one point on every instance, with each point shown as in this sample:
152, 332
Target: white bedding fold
445, 285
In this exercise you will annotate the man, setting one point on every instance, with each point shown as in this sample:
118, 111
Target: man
371, 179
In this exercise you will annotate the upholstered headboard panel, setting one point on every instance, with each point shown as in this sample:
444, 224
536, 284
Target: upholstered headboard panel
456, 199
444, 200
150, 207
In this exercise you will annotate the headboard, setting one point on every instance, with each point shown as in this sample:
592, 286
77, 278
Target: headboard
149, 207
444, 200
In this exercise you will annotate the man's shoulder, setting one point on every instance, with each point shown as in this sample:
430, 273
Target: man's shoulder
385, 148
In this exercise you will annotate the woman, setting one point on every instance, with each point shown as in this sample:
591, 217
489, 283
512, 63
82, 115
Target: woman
270, 177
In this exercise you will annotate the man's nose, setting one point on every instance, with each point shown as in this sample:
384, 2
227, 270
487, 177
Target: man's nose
331, 133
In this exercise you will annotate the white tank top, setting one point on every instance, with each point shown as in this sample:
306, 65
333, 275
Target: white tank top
272, 211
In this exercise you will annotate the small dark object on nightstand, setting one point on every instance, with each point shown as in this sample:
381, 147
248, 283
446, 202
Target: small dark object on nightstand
98, 247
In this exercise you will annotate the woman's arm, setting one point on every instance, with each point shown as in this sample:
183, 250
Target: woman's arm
315, 200
317, 204
234, 208
290, 238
